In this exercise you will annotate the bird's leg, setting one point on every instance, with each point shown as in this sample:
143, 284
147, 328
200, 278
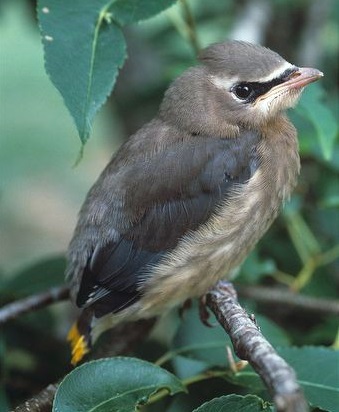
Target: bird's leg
229, 288
203, 312
185, 306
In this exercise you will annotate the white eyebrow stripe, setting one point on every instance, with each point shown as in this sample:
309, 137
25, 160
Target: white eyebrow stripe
227, 83
277, 73
223, 82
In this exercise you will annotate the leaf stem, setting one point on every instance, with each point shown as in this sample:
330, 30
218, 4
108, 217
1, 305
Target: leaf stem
335, 344
329, 256
190, 26
172, 353
302, 237
305, 275
187, 382
166, 357
185, 25
313, 262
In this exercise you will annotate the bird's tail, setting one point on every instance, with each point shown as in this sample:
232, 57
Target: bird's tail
79, 336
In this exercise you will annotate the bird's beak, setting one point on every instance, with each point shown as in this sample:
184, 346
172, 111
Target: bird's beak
294, 82
302, 77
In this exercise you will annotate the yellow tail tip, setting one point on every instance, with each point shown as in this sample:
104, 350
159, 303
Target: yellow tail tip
78, 344
73, 335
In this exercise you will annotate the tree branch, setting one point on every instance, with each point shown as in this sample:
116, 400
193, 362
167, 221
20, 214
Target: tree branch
42, 402
190, 26
32, 303
294, 301
249, 344
184, 23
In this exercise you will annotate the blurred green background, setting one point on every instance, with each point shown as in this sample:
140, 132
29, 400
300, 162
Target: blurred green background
41, 191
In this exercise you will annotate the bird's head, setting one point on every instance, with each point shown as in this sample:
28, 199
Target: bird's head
237, 84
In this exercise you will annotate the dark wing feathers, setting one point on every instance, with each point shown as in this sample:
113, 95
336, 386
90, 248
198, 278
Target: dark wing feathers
171, 194
114, 269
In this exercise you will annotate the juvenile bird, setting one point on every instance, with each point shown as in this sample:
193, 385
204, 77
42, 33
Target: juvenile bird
187, 197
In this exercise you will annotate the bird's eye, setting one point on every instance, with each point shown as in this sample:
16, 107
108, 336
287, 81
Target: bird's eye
242, 91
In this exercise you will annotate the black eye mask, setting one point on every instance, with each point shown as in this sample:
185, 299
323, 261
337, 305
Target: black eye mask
250, 91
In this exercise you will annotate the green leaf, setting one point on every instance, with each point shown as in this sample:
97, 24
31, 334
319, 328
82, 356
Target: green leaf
186, 367
247, 378
313, 108
195, 340
272, 332
255, 268
330, 201
235, 403
304, 240
112, 384
131, 11
84, 49
317, 371
36, 278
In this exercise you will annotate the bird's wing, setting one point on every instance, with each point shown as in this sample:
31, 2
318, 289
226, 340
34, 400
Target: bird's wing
169, 194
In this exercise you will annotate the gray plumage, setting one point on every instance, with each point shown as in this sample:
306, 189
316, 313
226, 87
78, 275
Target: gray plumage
187, 197
228, 59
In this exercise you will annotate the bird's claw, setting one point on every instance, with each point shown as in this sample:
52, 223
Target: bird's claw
185, 306
203, 312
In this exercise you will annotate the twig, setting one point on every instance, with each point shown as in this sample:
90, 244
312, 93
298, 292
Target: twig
190, 26
32, 303
41, 402
313, 261
185, 25
250, 344
294, 301
121, 340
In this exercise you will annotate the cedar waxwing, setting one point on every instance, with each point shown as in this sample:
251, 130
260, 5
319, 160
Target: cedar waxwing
188, 196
